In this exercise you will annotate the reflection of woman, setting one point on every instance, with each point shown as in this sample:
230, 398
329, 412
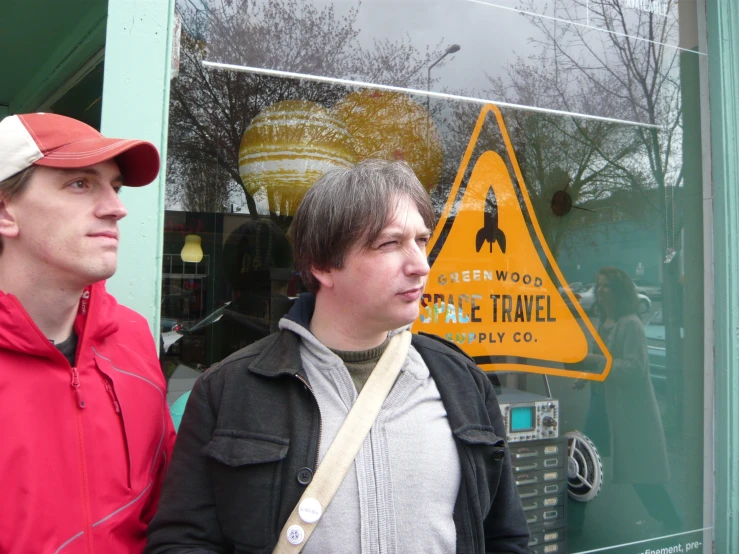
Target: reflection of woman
624, 419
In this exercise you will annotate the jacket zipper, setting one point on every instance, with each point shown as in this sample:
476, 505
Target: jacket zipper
83, 462
76, 386
82, 455
320, 419
116, 405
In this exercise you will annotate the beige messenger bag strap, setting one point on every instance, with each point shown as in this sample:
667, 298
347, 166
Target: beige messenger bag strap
340, 456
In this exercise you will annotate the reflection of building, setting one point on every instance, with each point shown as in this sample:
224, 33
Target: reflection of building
64, 56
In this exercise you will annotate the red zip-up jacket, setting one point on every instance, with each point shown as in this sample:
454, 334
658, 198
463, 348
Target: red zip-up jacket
83, 449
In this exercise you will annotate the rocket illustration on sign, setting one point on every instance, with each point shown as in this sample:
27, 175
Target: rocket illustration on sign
490, 232
494, 288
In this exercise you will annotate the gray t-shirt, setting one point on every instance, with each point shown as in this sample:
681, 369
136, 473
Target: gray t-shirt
68, 348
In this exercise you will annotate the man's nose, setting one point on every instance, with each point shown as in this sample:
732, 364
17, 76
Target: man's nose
111, 206
418, 263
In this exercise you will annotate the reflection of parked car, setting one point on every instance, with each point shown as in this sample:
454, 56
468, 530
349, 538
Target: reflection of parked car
169, 340
654, 329
171, 331
586, 296
170, 324
172, 342
229, 328
574, 287
647, 288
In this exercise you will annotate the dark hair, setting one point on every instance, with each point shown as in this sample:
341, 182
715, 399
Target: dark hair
13, 185
623, 292
351, 206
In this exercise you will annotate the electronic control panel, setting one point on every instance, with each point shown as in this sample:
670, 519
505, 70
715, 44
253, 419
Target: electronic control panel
528, 416
540, 472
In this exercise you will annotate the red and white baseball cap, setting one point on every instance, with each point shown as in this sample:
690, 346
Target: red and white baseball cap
53, 140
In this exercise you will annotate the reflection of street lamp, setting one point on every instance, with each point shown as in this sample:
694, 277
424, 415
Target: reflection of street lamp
451, 50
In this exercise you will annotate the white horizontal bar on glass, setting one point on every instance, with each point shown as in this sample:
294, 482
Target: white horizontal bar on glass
441, 95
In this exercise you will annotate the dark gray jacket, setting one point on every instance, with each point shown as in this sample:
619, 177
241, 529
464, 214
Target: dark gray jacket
248, 446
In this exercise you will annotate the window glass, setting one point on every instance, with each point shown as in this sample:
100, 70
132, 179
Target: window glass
561, 145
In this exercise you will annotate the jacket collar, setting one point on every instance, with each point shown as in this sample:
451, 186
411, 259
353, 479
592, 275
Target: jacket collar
282, 354
95, 320
302, 311
280, 357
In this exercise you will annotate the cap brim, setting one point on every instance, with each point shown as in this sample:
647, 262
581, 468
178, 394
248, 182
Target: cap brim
138, 160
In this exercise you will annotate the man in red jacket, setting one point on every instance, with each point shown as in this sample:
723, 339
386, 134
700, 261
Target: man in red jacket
85, 431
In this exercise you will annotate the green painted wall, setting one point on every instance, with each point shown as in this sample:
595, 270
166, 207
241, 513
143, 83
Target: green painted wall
136, 104
723, 62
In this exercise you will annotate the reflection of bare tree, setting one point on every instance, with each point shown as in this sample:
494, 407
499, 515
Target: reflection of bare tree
209, 110
613, 62
618, 61
629, 72
555, 152
207, 184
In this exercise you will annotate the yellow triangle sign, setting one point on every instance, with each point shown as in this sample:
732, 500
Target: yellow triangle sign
489, 289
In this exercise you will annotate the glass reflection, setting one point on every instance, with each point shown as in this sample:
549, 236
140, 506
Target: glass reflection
622, 188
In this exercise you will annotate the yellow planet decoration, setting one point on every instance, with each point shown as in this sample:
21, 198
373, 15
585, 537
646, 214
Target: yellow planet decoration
392, 126
287, 147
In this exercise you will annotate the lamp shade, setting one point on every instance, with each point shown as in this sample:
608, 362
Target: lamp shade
287, 147
192, 251
392, 126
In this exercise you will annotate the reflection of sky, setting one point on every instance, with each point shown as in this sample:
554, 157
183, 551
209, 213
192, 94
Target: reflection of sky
488, 40
491, 33
487, 43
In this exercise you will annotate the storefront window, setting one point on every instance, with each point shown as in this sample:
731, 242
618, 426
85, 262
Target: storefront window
561, 145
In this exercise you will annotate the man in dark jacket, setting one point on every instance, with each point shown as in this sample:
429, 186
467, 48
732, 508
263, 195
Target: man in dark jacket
434, 473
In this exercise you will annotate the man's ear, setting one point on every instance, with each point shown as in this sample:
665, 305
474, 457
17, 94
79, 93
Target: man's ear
8, 224
324, 276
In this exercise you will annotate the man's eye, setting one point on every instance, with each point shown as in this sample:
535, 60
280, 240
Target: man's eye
388, 244
423, 240
78, 185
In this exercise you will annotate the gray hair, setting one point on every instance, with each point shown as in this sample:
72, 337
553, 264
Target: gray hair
13, 185
346, 207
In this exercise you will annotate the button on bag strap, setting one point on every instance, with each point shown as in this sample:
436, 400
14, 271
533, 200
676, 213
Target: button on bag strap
340, 456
